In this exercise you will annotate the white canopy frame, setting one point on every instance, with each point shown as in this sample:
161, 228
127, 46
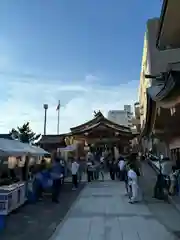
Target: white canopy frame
17, 148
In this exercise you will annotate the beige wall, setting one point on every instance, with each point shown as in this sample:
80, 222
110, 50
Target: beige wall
144, 82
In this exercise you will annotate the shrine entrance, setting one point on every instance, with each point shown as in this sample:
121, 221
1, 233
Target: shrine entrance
100, 134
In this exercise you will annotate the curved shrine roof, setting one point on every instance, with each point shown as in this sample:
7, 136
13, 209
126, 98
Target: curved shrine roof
100, 121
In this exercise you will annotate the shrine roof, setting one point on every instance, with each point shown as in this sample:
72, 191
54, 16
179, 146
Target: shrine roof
50, 139
166, 89
98, 121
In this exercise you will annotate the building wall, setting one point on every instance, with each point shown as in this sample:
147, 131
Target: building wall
118, 116
121, 117
153, 63
144, 82
127, 108
174, 143
159, 59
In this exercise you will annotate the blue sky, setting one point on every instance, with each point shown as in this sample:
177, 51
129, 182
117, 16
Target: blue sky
87, 53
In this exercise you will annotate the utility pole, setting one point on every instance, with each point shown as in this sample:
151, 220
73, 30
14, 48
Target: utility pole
58, 116
45, 117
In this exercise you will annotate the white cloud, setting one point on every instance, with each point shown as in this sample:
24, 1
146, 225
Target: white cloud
23, 101
91, 78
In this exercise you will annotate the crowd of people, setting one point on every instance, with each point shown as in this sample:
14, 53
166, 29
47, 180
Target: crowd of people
50, 177
127, 170
168, 179
123, 169
44, 178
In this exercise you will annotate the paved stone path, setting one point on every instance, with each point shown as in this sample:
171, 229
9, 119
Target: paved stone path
102, 212
40, 220
165, 212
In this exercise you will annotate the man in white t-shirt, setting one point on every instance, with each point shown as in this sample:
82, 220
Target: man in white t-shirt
74, 171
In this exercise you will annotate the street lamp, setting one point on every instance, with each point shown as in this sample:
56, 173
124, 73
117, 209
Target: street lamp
45, 106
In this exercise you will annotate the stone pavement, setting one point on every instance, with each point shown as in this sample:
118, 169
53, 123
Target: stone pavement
102, 212
165, 212
39, 221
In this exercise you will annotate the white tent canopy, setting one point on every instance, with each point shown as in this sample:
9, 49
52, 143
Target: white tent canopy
38, 151
17, 148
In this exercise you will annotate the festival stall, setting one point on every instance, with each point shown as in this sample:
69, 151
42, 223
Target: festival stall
13, 154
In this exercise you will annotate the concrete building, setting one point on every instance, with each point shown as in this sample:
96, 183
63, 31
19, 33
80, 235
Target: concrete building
168, 36
159, 91
121, 117
154, 62
136, 119
144, 83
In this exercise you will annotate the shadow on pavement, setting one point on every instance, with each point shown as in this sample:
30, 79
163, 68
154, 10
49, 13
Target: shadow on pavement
39, 221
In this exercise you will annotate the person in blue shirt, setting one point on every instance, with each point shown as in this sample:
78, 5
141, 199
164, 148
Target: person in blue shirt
38, 182
56, 175
63, 169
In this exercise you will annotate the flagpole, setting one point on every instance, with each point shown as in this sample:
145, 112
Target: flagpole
58, 116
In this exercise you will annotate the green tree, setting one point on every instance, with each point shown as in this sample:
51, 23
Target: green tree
25, 134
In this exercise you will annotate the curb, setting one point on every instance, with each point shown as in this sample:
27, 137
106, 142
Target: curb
60, 225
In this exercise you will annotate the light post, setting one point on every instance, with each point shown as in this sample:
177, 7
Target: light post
45, 117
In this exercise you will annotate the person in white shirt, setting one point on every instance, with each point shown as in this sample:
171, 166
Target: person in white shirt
173, 179
74, 171
133, 183
101, 167
102, 159
89, 171
121, 166
89, 156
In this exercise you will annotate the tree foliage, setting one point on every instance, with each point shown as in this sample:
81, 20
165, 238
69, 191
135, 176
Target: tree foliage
25, 134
